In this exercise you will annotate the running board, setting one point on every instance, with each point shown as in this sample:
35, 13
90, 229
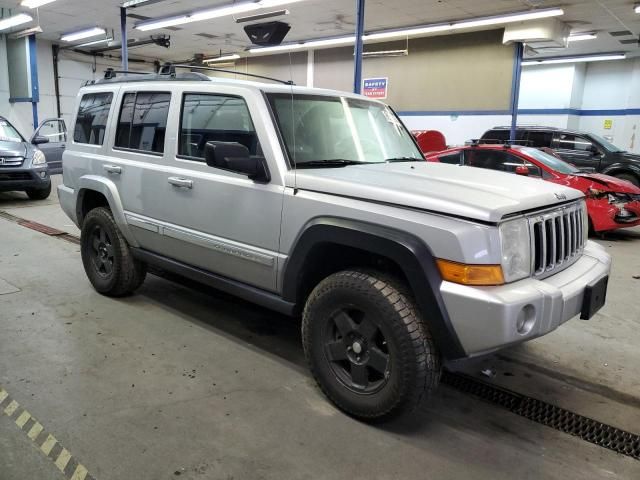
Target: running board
233, 287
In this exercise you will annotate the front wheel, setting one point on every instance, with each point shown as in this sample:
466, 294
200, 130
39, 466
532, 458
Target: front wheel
39, 193
106, 256
367, 345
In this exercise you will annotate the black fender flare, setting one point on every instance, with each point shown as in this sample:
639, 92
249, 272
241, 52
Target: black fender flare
410, 253
622, 167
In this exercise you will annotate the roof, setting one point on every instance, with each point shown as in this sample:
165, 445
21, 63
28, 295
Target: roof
201, 81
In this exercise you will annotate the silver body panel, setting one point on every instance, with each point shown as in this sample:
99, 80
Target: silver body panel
225, 223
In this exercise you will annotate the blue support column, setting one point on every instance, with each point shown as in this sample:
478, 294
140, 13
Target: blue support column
515, 89
357, 76
33, 70
123, 36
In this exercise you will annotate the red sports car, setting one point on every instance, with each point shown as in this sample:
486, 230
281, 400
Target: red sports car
612, 203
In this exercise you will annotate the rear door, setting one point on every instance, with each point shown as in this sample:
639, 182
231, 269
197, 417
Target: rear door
577, 150
55, 130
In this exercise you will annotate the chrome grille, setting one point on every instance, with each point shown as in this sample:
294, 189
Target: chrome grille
557, 238
11, 161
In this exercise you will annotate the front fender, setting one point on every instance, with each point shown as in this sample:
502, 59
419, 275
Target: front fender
410, 253
109, 190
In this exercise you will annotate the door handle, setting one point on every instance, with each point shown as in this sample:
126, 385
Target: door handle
113, 169
180, 182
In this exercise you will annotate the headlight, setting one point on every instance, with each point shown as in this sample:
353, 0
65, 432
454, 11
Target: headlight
516, 249
38, 158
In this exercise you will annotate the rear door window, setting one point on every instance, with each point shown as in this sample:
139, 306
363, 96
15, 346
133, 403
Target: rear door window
91, 122
210, 117
540, 139
142, 123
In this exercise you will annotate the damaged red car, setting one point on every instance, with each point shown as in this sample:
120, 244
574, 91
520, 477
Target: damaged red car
612, 203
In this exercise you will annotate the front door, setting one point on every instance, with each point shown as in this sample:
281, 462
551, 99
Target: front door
55, 131
577, 150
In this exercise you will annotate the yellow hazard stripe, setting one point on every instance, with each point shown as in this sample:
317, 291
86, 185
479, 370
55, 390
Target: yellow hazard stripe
34, 430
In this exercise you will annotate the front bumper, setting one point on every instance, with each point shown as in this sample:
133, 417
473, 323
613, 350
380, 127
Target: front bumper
23, 178
490, 318
68, 200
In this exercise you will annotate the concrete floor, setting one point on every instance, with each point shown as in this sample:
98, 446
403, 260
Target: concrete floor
189, 383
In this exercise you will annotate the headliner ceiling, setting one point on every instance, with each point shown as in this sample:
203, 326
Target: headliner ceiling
324, 18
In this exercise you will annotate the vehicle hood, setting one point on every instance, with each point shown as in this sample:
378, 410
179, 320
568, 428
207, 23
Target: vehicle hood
602, 182
469, 192
12, 149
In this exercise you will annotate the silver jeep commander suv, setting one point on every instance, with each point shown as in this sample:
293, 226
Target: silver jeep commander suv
318, 203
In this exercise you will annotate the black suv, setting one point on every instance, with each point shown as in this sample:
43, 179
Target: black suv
585, 150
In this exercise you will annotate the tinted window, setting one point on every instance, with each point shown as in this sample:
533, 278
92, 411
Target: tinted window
567, 141
500, 136
499, 160
540, 139
207, 118
143, 121
452, 158
91, 122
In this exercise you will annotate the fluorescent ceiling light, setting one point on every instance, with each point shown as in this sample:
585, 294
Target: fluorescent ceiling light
90, 32
208, 14
421, 30
35, 3
224, 58
14, 21
578, 37
386, 53
139, 3
27, 32
327, 42
637, 9
94, 42
585, 58
262, 16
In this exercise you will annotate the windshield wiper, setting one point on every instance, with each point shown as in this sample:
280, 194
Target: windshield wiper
404, 159
332, 163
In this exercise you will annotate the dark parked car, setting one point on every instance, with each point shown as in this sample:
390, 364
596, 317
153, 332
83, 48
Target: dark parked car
23, 166
586, 151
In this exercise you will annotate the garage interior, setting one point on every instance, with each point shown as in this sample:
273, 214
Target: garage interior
180, 380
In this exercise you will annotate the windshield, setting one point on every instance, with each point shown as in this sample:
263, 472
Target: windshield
550, 161
606, 144
339, 131
8, 133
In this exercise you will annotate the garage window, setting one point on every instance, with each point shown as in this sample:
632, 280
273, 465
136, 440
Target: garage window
221, 118
91, 122
143, 121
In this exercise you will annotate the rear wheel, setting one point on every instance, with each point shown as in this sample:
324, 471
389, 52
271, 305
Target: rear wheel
39, 193
367, 346
629, 178
106, 256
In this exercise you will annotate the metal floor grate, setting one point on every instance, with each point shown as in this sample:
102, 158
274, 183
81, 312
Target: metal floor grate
592, 431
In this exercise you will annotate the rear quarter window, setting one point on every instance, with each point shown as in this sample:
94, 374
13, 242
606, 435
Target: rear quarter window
91, 121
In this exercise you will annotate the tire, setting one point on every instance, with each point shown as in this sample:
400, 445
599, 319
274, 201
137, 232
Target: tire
39, 193
629, 178
106, 256
357, 325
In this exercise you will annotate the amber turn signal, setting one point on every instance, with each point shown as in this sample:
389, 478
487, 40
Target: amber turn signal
471, 274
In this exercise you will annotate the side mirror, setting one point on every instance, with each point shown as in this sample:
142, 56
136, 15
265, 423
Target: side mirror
235, 157
522, 170
39, 140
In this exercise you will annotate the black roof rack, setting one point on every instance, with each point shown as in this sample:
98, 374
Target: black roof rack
497, 141
168, 73
168, 68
